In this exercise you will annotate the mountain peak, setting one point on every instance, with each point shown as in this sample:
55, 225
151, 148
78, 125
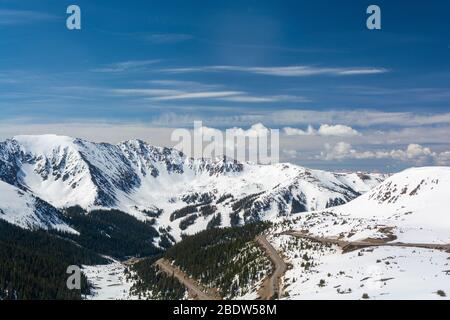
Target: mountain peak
43, 142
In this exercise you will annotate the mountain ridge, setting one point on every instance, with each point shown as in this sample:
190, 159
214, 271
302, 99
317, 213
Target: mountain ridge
182, 195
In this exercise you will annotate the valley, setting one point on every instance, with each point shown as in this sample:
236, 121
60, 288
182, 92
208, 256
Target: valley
149, 223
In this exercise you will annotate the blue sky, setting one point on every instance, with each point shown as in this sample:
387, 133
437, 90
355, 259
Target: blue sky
158, 65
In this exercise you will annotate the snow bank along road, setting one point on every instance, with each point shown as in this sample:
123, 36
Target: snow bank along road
272, 285
355, 245
197, 291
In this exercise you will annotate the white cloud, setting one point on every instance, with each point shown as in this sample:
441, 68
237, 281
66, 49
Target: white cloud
341, 150
443, 158
200, 91
274, 98
287, 71
413, 153
324, 130
174, 94
338, 130
310, 131
256, 130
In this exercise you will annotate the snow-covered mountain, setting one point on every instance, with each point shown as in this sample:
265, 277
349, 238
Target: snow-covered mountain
393, 242
180, 194
410, 206
24, 209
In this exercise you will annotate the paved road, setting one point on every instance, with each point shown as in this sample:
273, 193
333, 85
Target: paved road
355, 245
197, 291
272, 285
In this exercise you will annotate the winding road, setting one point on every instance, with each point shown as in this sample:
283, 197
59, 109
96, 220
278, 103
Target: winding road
196, 290
271, 287
348, 246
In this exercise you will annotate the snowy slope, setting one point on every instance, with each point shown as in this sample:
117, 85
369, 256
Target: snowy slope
390, 243
152, 182
109, 282
410, 207
23, 209
324, 272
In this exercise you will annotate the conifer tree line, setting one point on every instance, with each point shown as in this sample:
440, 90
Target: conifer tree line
224, 258
224, 253
33, 264
152, 283
112, 233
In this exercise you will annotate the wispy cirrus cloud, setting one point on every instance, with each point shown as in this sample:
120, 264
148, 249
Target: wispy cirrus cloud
132, 65
162, 38
287, 71
161, 94
182, 84
241, 97
266, 98
198, 95
176, 90
17, 17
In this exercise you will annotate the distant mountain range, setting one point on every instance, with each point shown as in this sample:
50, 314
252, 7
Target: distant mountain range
41, 175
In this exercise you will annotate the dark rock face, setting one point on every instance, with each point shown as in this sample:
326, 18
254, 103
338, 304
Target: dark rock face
335, 202
47, 214
9, 167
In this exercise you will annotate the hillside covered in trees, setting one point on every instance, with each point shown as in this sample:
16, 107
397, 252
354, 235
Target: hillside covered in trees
230, 260
112, 233
152, 283
226, 259
33, 264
